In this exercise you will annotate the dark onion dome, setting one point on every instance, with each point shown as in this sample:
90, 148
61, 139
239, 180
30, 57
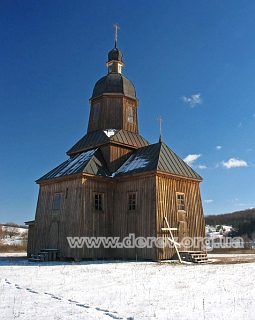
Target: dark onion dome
115, 54
114, 83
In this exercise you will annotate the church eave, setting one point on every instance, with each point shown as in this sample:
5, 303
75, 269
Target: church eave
60, 179
135, 176
176, 176
114, 94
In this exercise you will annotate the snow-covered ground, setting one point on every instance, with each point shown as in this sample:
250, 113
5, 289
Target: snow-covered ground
14, 235
125, 290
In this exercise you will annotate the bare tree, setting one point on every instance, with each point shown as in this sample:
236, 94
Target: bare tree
11, 229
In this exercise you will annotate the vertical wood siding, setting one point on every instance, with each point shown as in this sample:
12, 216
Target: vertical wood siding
113, 114
141, 221
156, 198
130, 126
167, 206
115, 156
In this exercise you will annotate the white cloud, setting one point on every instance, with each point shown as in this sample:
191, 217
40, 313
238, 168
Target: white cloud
208, 201
193, 100
233, 163
218, 147
191, 158
201, 167
242, 204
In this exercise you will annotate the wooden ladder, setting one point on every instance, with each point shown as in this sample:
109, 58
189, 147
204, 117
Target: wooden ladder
171, 239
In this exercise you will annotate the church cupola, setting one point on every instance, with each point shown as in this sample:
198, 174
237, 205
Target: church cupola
115, 63
113, 104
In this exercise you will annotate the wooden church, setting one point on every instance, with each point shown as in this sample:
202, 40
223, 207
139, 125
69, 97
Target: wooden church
115, 183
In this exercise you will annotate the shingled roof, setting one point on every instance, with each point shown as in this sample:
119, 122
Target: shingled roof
91, 162
100, 137
156, 157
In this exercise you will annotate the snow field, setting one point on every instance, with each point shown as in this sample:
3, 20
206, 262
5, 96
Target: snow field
126, 290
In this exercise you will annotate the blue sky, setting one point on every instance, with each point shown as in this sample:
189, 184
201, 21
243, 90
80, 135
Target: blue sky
192, 62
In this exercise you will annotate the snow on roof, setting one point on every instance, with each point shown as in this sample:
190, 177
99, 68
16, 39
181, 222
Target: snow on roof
75, 163
133, 163
110, 132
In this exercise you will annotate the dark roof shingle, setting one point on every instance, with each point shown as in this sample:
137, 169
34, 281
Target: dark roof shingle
154, 157
96, 138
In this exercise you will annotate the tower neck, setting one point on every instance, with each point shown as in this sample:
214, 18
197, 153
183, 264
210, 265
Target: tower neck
114, 66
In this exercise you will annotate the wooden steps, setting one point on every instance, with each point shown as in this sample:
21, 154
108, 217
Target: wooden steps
194, 256
44, 255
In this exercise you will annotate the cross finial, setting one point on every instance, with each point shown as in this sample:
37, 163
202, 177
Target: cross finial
116, 33
160, 128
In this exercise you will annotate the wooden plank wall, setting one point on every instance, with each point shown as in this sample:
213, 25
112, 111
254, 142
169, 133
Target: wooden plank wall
76, 217
130, 126
167, 206
113, 114
156, 198
115, 156
66, 217
30, 241
95, 223
141, 222
110, 115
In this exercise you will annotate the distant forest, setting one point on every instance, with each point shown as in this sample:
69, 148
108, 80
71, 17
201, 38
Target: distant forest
242, 221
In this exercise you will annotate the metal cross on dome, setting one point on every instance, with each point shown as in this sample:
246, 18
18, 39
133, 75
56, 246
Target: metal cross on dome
160, 125
116, 33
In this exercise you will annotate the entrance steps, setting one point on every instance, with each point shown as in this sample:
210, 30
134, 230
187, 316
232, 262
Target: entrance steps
44, 255
194, 256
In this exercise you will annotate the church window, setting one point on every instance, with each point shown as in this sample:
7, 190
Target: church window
57, 201
119, 68
132, 201
180, 201
130, 114
110, 67
98, 201
96, 112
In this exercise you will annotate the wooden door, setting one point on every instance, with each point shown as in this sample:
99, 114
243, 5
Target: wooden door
54, 236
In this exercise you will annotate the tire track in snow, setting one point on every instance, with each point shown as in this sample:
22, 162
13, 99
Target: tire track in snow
111, 314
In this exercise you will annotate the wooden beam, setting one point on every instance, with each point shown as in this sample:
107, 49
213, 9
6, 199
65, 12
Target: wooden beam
172, 240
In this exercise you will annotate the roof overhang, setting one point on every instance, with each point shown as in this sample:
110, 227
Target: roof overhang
30, 223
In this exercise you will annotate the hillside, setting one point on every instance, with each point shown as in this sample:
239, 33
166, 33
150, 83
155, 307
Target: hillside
243, 221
